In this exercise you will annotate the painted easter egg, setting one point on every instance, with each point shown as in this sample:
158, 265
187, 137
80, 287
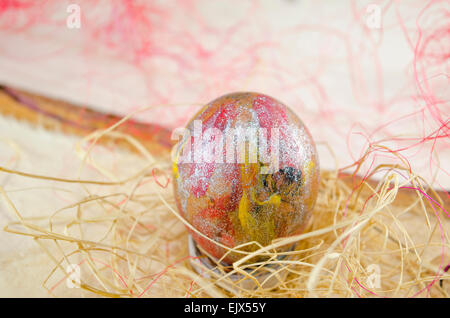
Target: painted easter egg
245, 170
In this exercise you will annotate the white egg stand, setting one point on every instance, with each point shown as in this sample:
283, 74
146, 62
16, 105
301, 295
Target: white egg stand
266, 277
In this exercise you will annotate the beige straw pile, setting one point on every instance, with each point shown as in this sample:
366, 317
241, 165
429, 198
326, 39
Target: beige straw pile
128, 240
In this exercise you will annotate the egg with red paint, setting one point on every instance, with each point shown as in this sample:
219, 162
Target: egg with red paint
245, 170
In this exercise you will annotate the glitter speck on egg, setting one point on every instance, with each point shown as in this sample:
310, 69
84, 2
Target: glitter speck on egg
245, 169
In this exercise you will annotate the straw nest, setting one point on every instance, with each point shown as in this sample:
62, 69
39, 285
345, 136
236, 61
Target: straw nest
365, 239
